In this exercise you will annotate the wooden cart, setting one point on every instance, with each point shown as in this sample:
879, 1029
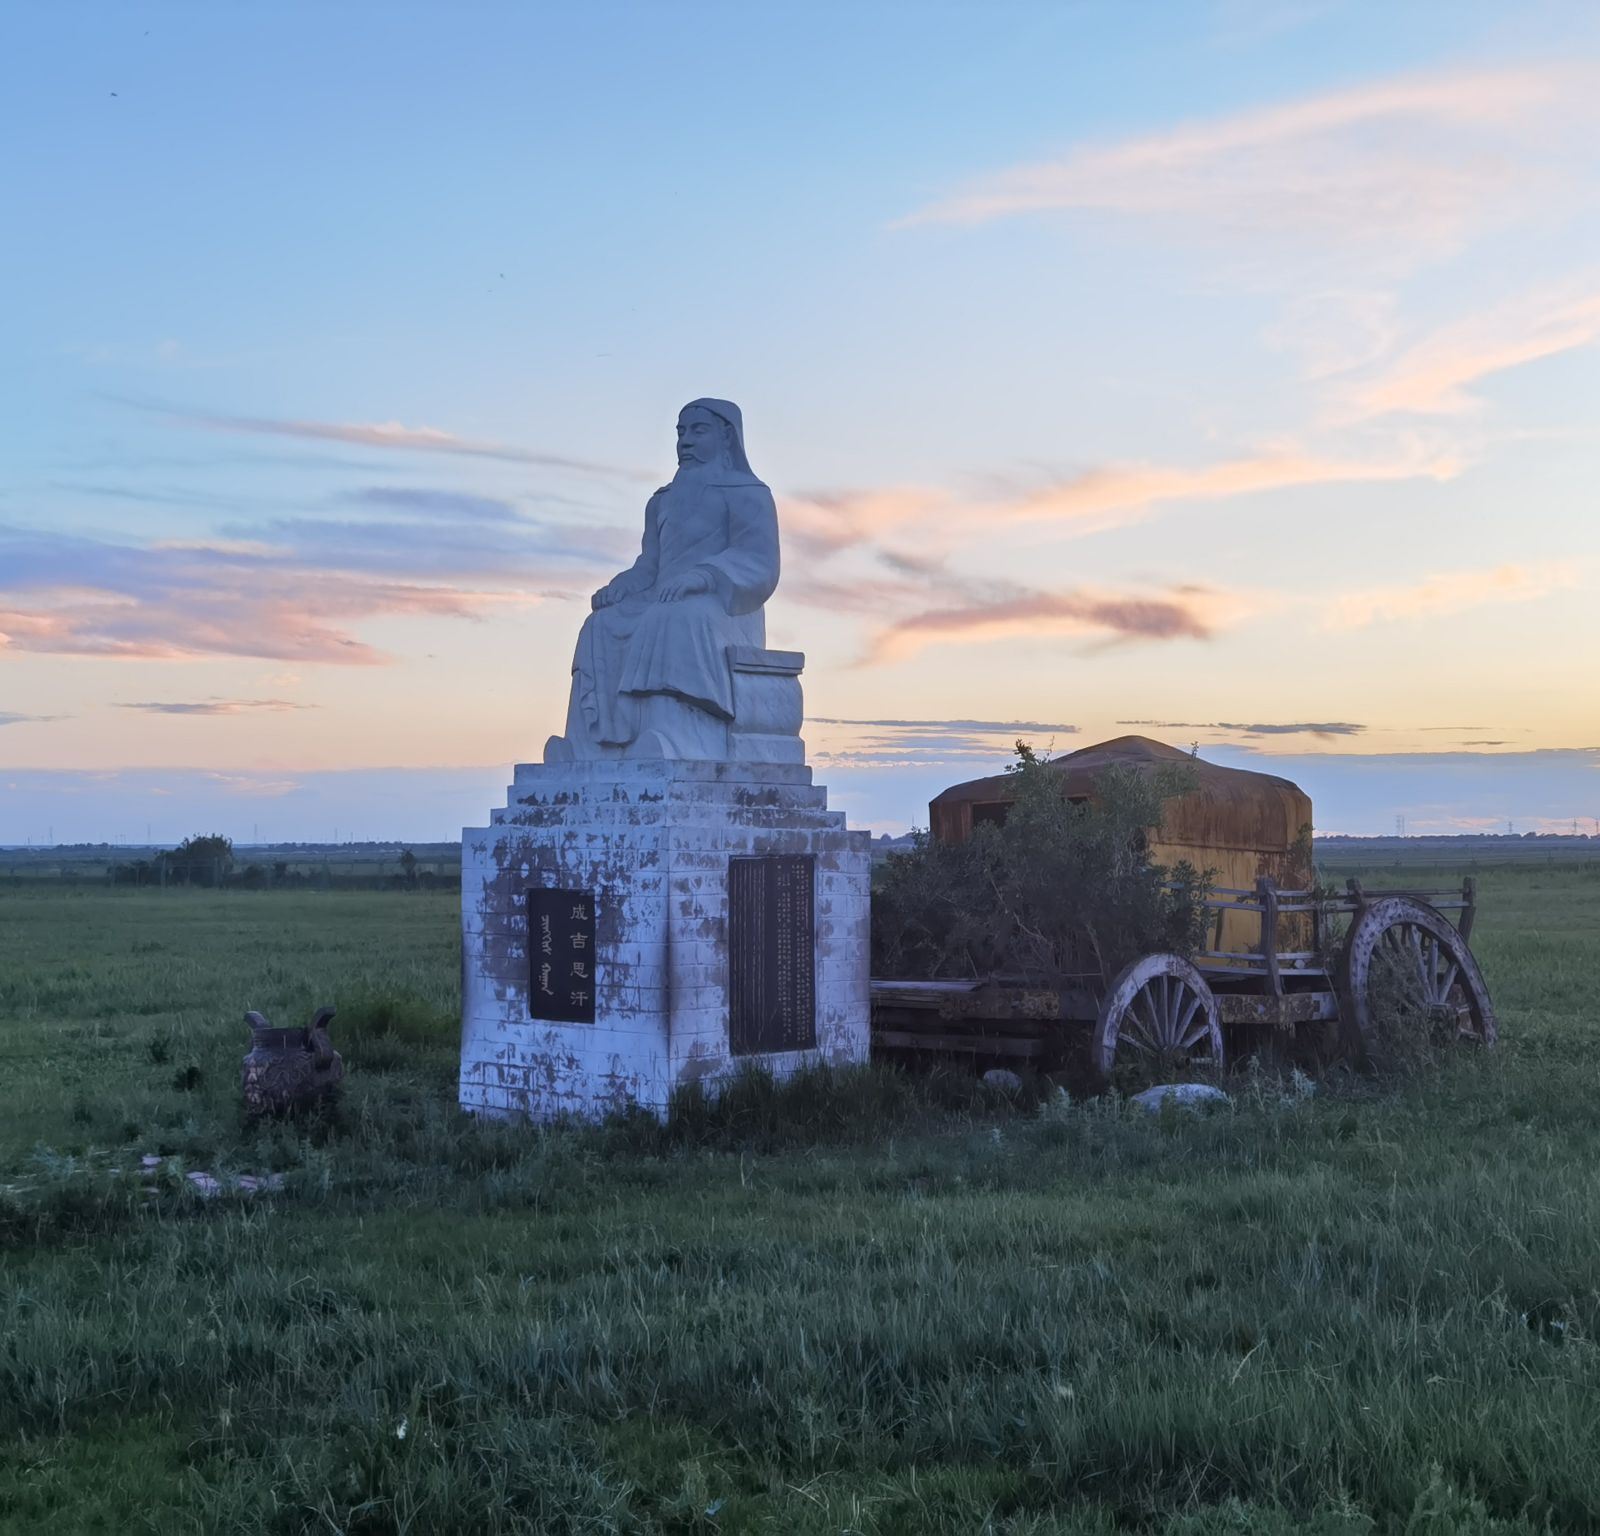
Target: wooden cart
1313, 983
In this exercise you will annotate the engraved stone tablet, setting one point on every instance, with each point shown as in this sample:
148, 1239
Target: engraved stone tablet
772, 1002
561, 980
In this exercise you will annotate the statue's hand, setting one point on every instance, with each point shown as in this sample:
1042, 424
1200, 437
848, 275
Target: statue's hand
608, 594
685, 585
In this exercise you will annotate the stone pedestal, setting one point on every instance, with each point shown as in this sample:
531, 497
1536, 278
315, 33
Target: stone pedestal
686, 918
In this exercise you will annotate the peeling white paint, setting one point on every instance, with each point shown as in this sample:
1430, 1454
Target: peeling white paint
652, 840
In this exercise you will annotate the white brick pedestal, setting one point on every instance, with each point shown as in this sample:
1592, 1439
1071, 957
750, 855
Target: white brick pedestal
652, 841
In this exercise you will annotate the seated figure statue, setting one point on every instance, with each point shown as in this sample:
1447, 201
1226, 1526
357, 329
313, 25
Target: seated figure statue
651, 675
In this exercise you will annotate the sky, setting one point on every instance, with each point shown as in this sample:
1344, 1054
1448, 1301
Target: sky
1222, 372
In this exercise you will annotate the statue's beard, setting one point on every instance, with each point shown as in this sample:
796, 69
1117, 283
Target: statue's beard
693, 469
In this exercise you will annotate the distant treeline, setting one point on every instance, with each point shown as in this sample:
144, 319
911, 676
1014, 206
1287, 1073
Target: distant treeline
281, 874
212, 863
215, 862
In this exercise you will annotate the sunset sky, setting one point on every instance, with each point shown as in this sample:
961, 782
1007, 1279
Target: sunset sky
1224, 372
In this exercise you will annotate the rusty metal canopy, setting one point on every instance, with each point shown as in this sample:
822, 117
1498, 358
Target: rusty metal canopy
1229, 808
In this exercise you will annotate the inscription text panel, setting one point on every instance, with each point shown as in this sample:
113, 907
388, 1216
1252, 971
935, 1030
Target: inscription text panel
561, 964
772, 956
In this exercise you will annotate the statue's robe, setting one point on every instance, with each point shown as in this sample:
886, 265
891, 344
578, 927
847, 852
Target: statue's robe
724, 524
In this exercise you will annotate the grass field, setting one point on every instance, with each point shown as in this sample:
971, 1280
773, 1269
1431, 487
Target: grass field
876, 1306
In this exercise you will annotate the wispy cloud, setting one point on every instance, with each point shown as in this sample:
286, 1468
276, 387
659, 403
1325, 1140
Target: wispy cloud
1324, 728
386, 434
198, 501
218, 707
880, 744
255, 786
1083, 501
1327, 728
1336, 330
916, 597
1119, 493
294, 588
1434, 376
434, 505
1104, 616
71, 595
1448, 592
9, 717
419, 549
1405, 168
1000, 727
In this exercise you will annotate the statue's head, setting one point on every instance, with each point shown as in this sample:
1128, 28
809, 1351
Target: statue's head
702, 436
712, 432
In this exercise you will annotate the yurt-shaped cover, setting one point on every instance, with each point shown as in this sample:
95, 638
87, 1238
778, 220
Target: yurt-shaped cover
1238, 824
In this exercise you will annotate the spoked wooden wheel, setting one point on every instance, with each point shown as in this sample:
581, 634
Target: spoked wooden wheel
1158, 1015
1406, 967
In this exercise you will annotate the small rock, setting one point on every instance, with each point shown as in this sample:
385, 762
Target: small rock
250, 1183
1185, 1095
1006, 1081
207, 1184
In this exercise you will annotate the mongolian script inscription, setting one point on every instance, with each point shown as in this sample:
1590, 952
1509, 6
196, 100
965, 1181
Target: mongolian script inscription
561, 962
772, 1003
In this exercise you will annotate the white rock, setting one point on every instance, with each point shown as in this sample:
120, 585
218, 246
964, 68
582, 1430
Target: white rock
1186, 1095
1003, 1079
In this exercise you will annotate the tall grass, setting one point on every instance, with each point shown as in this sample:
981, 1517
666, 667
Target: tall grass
857, 1302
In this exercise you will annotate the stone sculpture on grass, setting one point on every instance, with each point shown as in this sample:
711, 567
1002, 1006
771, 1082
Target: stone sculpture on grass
289, 1069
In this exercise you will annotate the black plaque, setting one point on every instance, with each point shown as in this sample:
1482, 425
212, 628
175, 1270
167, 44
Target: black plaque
561, 960
772, 954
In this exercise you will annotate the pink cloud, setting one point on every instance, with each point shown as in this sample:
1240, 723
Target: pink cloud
1119, 493
1104, 496
1433, 377
1447, 593
298, 601
282, 615
1406, 168
1031, 614
394, 434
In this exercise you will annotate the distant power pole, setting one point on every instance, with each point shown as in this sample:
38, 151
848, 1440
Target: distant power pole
1400, 825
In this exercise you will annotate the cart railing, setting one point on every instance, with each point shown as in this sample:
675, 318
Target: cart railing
1269, 902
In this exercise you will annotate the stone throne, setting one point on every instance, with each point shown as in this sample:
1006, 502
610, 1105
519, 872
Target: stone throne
768, 705
632, 923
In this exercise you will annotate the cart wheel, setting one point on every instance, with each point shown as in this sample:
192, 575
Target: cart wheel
1406, 958
1158, 1013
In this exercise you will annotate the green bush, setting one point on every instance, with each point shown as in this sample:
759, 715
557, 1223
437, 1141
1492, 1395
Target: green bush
1061, 887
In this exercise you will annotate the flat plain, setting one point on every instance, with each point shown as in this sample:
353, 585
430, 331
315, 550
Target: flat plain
873, 1304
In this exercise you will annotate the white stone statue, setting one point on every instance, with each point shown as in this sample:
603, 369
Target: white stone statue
654, 674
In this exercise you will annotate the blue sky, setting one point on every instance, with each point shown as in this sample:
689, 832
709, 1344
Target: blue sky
1220, 365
